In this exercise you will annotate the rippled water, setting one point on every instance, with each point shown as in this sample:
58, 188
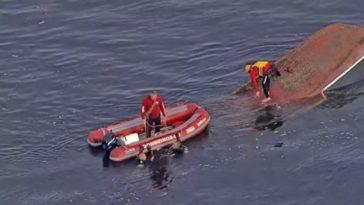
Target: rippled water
70, 66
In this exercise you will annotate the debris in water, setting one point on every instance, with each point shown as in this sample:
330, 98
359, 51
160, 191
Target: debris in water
279, 144
41, 22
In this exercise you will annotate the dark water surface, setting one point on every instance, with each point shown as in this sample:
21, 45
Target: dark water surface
70, 66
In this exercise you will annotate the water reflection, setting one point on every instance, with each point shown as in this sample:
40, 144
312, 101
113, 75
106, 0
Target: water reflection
339, 100
272, 117
156, 162
106, 159
159, 173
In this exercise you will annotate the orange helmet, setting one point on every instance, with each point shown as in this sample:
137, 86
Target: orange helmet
248, 68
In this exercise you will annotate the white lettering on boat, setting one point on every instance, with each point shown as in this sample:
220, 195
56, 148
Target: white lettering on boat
131, 150
201, 122
190, 129
159, 141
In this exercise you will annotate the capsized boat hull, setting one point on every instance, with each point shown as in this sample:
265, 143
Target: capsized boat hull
318, 64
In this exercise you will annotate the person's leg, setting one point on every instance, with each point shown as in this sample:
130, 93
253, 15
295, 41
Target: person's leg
266, 85
157, 122
149, 127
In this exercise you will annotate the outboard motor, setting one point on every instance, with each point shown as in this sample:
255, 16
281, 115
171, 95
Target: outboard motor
109, 142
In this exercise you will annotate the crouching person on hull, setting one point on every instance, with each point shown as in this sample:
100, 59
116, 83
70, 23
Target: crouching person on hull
262, 70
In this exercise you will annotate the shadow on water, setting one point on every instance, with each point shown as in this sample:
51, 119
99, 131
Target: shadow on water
339, 100
340, 97
159, 173
96, 151
273, 116
156, 163
106, 162
105, 159
270, 117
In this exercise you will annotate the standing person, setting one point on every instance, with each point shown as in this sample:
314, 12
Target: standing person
262, 70
152, 108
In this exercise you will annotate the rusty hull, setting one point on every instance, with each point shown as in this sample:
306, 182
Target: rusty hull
308, 69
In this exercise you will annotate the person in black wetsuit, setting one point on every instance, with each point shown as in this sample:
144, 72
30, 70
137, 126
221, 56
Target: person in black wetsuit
178, 147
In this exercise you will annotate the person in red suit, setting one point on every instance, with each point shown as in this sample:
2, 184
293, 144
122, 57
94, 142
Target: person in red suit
153, 112
262, 70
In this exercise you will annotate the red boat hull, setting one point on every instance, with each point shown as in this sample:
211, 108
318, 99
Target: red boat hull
185, 121
319, 62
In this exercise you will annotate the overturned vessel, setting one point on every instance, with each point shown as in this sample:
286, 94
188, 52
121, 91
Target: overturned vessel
320, 62
330, 59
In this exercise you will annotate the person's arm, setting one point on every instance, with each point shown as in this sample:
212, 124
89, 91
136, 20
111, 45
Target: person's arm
162, 107
144, 109
267, 67
253, 77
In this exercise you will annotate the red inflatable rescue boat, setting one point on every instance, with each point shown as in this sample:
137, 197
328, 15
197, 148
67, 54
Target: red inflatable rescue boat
183, 122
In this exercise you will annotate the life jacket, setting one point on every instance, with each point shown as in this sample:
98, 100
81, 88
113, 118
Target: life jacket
260, 65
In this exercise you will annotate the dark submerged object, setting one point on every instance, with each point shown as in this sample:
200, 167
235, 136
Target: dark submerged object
159, 173
269, 118
278, 144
